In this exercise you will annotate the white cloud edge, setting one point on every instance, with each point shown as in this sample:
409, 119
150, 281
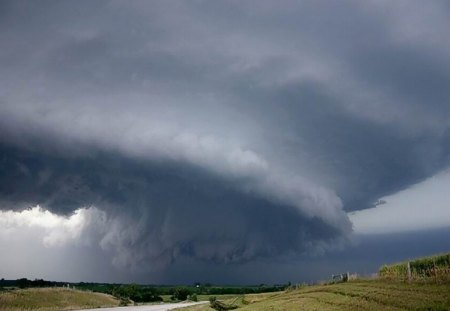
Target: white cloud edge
53, 230
423, 206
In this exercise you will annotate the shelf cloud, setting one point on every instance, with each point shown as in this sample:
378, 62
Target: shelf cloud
223, 132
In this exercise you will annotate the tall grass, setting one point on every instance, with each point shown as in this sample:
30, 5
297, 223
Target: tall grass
433, 268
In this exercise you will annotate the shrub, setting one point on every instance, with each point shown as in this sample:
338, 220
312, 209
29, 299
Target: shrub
193, 297
180, 294
212, 299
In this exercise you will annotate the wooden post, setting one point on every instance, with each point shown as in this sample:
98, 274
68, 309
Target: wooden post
435, 271
408, 271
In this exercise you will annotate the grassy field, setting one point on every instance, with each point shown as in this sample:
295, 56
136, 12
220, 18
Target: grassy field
436, 268
49, 299
354, 295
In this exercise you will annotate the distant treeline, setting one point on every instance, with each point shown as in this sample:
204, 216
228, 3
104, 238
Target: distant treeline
25, 283
147, 293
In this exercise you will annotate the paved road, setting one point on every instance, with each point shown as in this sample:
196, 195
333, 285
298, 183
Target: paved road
161, 307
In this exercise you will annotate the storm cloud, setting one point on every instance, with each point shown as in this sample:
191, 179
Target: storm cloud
219, 131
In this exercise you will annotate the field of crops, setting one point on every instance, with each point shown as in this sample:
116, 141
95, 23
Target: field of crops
49, 299
428, 269
354, 295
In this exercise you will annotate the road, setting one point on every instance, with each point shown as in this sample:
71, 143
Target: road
161, 307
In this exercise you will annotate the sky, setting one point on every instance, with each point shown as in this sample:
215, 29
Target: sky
230, 142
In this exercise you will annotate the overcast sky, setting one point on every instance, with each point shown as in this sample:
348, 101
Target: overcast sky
184, 141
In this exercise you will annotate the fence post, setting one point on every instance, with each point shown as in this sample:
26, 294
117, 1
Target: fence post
408, 271
435, 271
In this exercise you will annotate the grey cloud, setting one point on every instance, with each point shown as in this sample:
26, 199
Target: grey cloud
306, 110
158, 213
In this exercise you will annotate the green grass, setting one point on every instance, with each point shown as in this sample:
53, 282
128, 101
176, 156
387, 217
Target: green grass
432, 268
49, 299
354, 295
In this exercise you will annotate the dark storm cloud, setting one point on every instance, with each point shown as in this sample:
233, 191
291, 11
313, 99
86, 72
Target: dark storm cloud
273, 118
364, 257
161, 212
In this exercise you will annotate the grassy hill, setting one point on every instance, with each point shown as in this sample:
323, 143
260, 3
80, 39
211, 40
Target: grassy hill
49, 299
420, 284
354, 295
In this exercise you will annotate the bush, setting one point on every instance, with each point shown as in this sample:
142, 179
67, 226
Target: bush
180, 294
124, 302
136, 293
193, 297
